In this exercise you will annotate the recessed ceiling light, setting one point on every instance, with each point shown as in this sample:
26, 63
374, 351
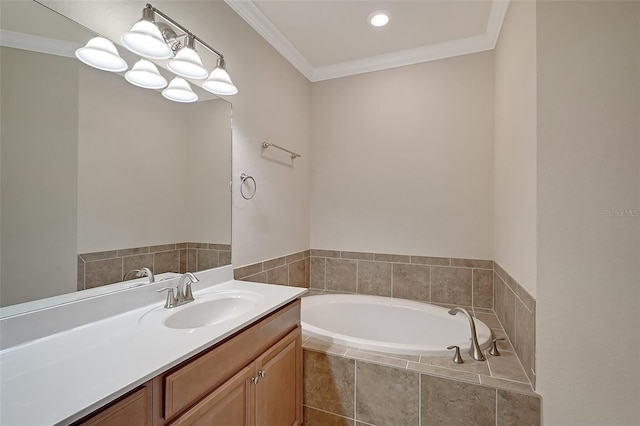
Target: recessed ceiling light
379, 18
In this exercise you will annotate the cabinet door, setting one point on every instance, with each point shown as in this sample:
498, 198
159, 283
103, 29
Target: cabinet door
279, 389
133, 409
232, 404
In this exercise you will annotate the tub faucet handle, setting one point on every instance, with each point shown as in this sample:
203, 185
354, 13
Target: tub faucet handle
494, 346
456, 356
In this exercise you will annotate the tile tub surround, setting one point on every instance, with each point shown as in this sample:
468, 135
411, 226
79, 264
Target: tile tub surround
108, 267
352, 387
290, 270
441, 280
516, 310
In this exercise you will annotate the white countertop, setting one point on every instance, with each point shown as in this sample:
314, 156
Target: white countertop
60, 378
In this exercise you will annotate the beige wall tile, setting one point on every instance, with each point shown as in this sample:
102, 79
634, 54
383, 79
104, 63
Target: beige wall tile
297, 274
192, 260
295, 257
498, 270
245, 271
426, 260
517, 409
317, 272
525, 340
483, 288
449, 403
325, 253
207, 259
329, 383
506, 384
257, 278
196, 245
102, 272
341, 275
307, 272
273, 263
181, 246
376, 358
411, 282
356, 255
374, 278
386, 396
507, 366
278, 276
98, 255
136, 262
80, 269
162, 247
314, 417
451, 285
472, 263
132, 251
183, 260
433, 370
396, 258
166, 261
220, 247
224, 257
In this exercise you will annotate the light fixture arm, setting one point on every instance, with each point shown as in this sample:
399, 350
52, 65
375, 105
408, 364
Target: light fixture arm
155, 10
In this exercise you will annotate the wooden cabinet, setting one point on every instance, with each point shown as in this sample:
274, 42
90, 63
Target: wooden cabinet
132, 409
268, 392
253, 378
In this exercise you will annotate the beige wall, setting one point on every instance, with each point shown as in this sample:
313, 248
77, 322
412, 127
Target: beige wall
131, 175
515, 145
588, 169
273, 104
403, 160
39, 175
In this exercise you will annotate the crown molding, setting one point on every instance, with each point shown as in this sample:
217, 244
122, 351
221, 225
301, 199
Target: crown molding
38, 44
263, 26
480, 43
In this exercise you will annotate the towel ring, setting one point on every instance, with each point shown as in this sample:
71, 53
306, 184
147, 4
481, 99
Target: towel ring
244, 177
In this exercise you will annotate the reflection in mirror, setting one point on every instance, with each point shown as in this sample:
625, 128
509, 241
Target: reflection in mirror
99, 177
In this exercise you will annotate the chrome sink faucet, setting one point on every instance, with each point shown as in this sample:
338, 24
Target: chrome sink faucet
142, 272
474, 349
183, 293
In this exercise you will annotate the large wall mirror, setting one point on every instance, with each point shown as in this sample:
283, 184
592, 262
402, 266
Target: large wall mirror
99, 177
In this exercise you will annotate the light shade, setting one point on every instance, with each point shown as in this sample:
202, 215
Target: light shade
102, 54
187, 62
219, 82
146, 40
145, 74
179, 90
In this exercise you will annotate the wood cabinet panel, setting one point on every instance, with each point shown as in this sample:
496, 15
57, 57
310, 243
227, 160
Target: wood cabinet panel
195, 378
279, 390
134, 409
232, 404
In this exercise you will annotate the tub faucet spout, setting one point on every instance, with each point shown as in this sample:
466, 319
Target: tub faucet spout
474, 350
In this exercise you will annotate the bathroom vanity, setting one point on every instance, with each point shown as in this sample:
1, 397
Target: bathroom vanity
245, 369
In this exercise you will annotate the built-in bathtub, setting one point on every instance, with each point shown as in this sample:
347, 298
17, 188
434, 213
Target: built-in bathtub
385, 324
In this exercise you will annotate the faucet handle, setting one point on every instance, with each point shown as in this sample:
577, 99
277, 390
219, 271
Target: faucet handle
494, 346
172, 300
456, 356
188, 294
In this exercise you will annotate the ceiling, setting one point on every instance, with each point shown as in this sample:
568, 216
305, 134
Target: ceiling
331, 38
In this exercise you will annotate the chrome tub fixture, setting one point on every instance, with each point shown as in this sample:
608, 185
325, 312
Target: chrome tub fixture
474, 349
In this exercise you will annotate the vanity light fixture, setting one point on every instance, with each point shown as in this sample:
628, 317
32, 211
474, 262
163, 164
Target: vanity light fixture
158, 40
179, 90
145, 38
219, 82
187, 62
379, 18
145, 74
101, 53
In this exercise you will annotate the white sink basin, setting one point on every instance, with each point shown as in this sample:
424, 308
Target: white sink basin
208, 309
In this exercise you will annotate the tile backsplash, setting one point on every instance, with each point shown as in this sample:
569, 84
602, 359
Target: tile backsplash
516, 310
290, 270
441, 280
108, 267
